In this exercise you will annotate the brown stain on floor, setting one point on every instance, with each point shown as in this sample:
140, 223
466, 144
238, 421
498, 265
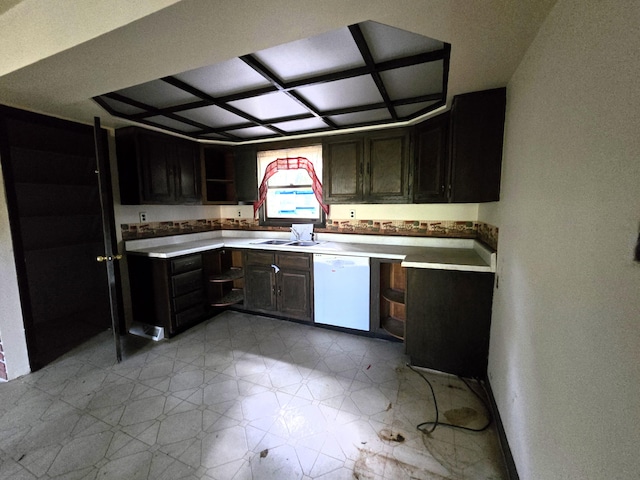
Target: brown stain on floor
461, 416
369, 466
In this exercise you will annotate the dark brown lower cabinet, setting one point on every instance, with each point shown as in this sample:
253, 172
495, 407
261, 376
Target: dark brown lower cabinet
279, 284
448, 320
169, 293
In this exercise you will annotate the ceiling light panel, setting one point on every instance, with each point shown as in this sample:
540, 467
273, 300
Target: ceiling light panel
361, 118
172, 124
302, 125
413, 81
271, 105
213, 116
122, 107
327, 53
389, 43
350, 92
158, 94
224, 78
253, 132
408, 111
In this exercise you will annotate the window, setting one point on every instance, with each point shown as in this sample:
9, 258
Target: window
290, 195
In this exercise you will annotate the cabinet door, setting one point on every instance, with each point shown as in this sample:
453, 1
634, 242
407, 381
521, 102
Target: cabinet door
387, 168
186, 173
156, 157
260, 288
448, 320
294, 294
430, 176
477, 128
246, 175
342, 170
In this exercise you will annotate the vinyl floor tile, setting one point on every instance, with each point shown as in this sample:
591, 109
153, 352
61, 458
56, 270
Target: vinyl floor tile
242, 397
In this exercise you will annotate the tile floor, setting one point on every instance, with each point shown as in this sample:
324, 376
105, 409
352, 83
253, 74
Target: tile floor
240, 397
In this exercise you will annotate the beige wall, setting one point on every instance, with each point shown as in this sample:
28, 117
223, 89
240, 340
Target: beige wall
564, 357
11, 324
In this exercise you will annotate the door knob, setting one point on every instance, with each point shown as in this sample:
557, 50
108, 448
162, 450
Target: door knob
101, 258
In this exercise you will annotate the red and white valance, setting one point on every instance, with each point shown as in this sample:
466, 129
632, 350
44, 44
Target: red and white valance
290, 163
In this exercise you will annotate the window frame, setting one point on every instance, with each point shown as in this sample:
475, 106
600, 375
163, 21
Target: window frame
280, 221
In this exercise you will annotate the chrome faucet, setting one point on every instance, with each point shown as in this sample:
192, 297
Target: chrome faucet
296, 233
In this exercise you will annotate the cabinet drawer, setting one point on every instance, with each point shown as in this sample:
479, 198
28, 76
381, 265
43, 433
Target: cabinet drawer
183, 302
188, 316
186, 282
186, 264
259, 258
295, 261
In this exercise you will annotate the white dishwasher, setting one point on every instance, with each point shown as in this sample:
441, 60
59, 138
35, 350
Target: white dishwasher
341, 291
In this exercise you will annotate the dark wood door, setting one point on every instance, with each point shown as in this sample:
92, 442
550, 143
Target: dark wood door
432, 160
186, 168
260, 288
295, 294
246, 175
157, 157
49, 167
342, 166
387, 169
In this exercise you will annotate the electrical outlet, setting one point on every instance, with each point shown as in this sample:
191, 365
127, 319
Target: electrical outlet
352, 214
239, 213
143, 217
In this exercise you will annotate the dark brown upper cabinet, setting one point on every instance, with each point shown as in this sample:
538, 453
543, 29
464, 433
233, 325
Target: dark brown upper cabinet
370, 168
432, 160
218, 175
229, 175
459, 153
154, 168
477, 130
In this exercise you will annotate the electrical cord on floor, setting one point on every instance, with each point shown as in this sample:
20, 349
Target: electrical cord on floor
434, 424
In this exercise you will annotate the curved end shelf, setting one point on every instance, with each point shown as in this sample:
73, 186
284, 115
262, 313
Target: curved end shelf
394, 327
233, 273
393, 295
234, 296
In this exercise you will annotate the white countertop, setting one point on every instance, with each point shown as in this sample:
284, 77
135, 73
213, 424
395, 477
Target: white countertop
413, 252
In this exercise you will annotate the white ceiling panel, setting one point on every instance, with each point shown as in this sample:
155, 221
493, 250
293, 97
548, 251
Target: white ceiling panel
322, 54
224, 78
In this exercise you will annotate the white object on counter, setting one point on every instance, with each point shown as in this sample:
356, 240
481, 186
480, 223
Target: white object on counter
341, 291
301, 231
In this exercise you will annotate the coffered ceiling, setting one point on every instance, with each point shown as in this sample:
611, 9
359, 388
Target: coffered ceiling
272, 77
361, 75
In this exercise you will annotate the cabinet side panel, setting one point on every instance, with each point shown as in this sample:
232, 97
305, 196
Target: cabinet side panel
448, 320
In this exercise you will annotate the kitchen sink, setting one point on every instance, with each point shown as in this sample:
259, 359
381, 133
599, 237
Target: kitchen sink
289, 243
275, 242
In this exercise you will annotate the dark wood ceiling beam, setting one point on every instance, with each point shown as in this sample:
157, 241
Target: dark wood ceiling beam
361, 43
225, 106
151, 111
273, 78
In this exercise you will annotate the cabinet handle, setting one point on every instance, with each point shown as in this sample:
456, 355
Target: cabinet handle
275, 268
279, 291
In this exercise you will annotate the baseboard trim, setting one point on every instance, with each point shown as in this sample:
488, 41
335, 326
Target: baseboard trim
512, 471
